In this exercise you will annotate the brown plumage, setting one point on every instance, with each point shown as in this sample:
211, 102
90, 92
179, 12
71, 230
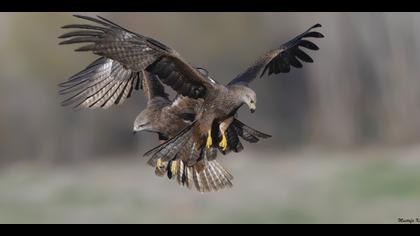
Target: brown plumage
127, 54
127, 57
107, 81
191, 167
222, 102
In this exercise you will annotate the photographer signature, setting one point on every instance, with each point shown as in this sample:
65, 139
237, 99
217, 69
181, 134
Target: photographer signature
409, 220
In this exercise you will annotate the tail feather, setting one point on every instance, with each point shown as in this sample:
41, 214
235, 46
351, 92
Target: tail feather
224, 172
200, 171
188, 176
190, 153
208, 174
197, 180
215, 176
210, 154
204, 176
223, 175
180, 172
205, 185
197, 168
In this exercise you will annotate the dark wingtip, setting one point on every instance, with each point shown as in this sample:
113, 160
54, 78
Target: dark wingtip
314, 33
149, 152
260, 134
267, 136
102, 18
317, 25
65, 103
79, 16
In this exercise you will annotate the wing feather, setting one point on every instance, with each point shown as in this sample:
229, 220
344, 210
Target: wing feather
97, 83
247, 133
152, 87
280, 60
134, 53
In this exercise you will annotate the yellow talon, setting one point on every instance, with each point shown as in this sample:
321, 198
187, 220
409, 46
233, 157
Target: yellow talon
209, 140
174, 167
158, 163
223, 144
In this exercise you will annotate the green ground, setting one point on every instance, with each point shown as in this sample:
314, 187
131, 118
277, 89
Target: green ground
309, 186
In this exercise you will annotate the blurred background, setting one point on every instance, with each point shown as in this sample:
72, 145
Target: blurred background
346, 129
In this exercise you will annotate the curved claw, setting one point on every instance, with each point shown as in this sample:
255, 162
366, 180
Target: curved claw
209, 142
158, 163
223, 144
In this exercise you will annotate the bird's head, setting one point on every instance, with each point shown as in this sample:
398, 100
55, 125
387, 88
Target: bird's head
142, 123
249, 97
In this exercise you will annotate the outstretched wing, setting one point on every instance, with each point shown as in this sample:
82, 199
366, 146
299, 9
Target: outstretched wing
125, 54
280, 60
101, 84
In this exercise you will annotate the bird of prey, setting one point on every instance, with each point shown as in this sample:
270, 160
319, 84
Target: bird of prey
167, 118
221, 102
132, 54
105, 82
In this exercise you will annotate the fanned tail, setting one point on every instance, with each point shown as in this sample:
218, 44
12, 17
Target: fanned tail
204, 176
196, 169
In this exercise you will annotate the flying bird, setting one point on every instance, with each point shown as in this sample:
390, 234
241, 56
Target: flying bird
221, 102
131, 55
167, 118
106, 82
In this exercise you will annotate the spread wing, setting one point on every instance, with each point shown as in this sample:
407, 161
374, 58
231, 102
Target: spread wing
280, 60
101, 84
125, 55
